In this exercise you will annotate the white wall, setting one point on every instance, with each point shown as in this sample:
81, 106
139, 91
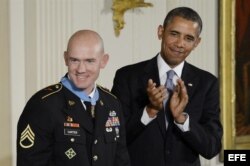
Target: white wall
39, 30
5, 138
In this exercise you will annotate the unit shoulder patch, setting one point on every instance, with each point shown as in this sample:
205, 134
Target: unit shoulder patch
52, 90
106, 90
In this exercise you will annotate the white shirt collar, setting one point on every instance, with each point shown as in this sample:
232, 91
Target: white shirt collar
163, 68
91, 95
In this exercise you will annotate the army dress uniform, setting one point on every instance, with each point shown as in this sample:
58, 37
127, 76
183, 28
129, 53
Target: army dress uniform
54, 129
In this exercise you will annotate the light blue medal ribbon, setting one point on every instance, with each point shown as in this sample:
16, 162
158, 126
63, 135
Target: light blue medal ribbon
81, 94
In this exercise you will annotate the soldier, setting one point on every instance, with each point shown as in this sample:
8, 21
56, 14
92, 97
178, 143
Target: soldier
74, 122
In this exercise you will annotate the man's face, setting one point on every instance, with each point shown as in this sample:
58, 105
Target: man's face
179, 38
84, 63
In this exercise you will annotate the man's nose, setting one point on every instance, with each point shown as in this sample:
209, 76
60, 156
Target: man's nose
81, 67
180, 42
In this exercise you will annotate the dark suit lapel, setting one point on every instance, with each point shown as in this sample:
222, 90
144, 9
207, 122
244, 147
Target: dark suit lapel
75, 109
189, 76
151, 71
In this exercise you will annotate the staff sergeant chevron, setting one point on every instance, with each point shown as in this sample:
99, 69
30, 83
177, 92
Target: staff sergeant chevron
27, 138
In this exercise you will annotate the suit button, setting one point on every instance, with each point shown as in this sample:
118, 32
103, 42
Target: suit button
72, 139
95, 142
95, 157
168, 152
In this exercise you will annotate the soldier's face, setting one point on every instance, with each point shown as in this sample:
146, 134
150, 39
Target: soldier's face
84, 64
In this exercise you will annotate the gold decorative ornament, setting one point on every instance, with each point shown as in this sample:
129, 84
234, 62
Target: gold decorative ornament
119, 7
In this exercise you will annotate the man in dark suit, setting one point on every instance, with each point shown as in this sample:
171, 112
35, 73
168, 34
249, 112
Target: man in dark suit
74, 122
171, 119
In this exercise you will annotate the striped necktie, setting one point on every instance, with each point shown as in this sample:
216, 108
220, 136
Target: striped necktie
169, 82
170, 87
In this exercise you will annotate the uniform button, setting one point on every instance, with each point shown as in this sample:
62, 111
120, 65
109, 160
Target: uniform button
72, 139
95, 157
95, 142
115, 138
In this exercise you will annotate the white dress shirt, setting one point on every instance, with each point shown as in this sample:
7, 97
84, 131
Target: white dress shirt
163, 68
91, 95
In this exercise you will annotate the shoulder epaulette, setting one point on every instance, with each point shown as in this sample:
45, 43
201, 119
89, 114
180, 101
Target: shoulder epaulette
52, 89
106, 90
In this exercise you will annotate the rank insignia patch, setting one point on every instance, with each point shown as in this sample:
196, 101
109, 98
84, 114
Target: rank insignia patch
70, 153
27, 138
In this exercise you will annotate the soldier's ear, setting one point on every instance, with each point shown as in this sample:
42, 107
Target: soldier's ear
65, 58
160, 32
104, 60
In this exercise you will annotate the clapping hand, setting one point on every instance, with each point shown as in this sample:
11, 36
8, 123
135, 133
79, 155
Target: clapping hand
178, 102
156, 97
